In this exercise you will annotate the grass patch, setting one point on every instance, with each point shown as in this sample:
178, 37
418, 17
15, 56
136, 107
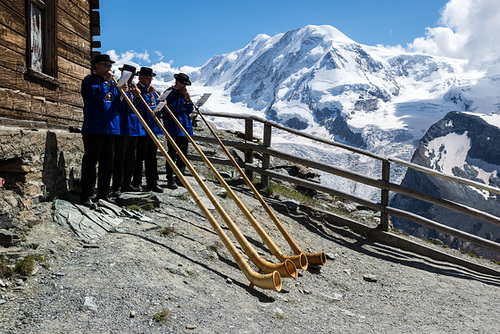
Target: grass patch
5, 271
184, 197
26, 266
167, 231
215, 247
133, 207
163, 316
290, 193
148, 206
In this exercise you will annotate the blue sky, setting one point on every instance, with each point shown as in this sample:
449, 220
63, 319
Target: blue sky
191, 32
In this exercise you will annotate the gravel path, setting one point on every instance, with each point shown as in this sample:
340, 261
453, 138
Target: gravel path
138, 280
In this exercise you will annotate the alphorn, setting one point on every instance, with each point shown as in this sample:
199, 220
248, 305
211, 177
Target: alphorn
270, 281
299, 260
286, 268
313, 259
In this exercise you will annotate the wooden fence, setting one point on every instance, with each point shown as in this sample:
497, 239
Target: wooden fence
383, 182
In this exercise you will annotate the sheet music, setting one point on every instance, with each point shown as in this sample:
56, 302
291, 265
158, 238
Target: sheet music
203, 99
160, 106
124, 79
163, 96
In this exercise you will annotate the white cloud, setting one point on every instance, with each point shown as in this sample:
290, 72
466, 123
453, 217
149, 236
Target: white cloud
130, 57
468, 29
159, 55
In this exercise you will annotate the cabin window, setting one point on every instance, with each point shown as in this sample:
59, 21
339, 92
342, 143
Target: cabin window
37, 35
41, 40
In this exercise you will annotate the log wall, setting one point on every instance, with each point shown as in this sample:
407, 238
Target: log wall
33, 98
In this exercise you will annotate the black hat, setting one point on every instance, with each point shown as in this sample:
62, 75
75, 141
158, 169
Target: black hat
147, 71
182, 78
128, 68
101, 57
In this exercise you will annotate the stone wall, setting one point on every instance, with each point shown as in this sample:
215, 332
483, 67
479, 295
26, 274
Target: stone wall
36, 165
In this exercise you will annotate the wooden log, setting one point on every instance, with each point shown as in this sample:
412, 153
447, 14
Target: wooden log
317, 186
12, 60
80, 29
82, 5
76, 12
18, 105
445, 229
72, 38
266, 158
13, 40
446, 177
444, 203
366, 180
74, 54
72, 72
16, 6
94, 4
12, 17
297, 132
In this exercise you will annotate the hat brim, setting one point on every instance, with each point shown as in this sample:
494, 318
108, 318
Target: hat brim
184, 82
121, 69
95, 61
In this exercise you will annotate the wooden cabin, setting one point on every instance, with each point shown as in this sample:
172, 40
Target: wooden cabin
46, 49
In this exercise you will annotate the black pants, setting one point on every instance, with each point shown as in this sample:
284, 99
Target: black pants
146, 152
182, 142
124, 161
98, 148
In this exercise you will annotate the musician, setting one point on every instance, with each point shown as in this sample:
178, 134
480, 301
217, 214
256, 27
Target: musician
100, 124
125, 145
146, 147
179, 102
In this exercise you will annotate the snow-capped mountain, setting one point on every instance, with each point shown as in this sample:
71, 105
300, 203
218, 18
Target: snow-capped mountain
461, 144
317, 77
320, 81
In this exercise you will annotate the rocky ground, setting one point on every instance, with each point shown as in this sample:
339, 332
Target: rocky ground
173, 275
168, 272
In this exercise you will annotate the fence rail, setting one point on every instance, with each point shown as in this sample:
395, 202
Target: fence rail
383, 183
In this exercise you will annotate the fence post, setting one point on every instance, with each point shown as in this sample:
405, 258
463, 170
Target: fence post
266, 158
248, 152
384, 195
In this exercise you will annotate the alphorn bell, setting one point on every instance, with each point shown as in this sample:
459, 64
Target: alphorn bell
286, 268
270, 281
299, 260
313, 259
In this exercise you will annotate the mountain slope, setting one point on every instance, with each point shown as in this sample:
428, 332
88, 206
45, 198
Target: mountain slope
464, 145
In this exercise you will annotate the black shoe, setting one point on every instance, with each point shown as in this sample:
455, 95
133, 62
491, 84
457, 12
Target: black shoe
89, 204
131, 188
172, 185
116, 193
107, 199
155, 188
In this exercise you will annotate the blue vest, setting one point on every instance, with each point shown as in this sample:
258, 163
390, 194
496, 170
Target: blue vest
181, 109
151, 101
100, 106
130, 126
